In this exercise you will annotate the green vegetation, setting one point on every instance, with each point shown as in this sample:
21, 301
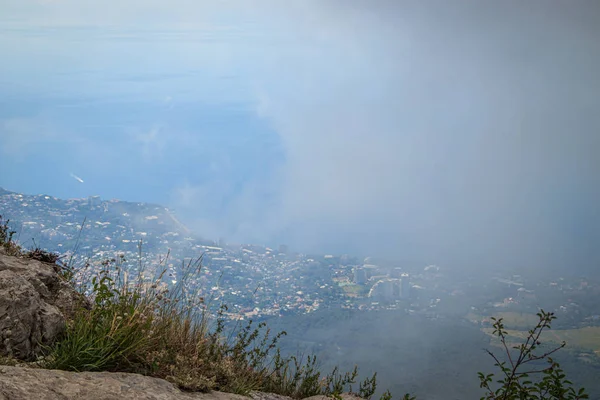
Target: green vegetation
13, 249
517, 325
587, 337
140, 324
518, 320
6, 238
516, 382
353, 290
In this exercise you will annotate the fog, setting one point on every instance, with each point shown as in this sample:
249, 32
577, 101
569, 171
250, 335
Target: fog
461, 133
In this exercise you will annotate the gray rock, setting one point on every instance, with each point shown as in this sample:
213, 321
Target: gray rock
34, 305
21, 383
268, 396
343, 396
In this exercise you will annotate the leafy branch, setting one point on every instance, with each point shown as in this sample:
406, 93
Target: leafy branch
515, 382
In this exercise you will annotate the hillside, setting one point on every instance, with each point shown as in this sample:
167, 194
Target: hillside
162, 335
110, 225
435, 331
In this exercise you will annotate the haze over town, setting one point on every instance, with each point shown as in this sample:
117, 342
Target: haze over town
381, 180
461, 133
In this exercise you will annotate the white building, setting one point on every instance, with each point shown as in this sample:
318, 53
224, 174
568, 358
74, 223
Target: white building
384, 290
360, 275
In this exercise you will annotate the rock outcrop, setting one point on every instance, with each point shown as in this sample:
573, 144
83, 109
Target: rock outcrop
21, 383
34, 304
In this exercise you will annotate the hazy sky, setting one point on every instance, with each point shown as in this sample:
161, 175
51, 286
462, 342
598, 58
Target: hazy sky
458, 132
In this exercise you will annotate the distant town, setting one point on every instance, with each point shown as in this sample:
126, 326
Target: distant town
258, 281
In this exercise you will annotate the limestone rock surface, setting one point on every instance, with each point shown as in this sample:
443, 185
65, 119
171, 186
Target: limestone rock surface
34, 304
23, 383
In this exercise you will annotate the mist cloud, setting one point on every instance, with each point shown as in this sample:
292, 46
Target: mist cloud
465, 132
433, 132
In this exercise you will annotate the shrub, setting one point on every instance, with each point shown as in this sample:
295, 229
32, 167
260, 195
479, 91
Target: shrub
12, 248
6, 238
516, 380
140, 324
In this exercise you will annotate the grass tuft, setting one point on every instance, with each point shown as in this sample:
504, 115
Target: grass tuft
140, 324
7, 243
